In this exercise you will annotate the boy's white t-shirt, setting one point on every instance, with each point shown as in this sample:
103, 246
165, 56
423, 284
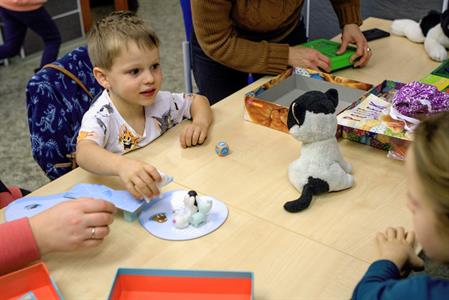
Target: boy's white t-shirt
103, 124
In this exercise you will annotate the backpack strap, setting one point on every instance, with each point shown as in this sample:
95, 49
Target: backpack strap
71, 76
71, 157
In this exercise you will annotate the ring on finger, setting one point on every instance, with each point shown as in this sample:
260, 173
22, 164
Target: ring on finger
92, 234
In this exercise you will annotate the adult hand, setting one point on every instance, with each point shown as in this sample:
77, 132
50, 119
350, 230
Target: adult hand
398, 246
72, 225
193, 134
351, 34
139, 177
308, 58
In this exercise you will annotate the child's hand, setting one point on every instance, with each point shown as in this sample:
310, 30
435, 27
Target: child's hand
193, 134
139, 177
398, 246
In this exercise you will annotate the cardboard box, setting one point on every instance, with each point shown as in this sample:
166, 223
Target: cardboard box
268, 104
393, 140
28, 283
181, 284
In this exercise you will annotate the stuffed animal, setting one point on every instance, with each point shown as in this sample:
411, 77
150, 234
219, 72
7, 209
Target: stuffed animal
432, 30
321, 167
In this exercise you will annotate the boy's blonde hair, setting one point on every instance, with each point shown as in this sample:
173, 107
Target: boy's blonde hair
431, 148
113, 33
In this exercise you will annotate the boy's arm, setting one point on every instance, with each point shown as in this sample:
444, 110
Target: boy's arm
93, 158
196, 132
200, 111
138, 177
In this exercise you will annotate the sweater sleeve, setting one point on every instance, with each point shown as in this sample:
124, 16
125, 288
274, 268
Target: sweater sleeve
348, 11
382, 281
219, 40
17, 245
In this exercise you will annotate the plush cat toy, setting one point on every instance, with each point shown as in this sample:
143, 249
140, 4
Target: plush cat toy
432, 30
321, 167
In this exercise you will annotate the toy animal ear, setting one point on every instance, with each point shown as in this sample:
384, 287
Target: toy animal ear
332, 95
445, 22
295, 115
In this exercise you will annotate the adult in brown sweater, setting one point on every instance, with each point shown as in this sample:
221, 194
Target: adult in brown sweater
232, 38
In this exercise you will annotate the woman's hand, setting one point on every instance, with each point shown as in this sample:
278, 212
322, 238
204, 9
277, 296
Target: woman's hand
351, 34
72, 225
308, 58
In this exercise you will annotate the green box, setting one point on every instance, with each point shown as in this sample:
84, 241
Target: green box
329, 48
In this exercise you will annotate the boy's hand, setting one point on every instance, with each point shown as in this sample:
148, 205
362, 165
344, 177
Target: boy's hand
398, 246
139, 177
193, 134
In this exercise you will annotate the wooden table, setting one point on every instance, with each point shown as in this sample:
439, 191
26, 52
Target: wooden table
320, 253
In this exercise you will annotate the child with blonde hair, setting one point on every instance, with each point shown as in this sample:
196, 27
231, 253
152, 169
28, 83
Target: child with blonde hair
427, 170
132, 111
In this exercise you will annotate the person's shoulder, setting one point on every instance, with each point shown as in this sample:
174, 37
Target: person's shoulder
422, 287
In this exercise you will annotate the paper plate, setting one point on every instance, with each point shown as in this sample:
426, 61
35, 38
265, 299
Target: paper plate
166, 230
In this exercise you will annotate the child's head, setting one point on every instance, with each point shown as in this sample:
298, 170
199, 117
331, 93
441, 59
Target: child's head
125, 54
427, 167
112, 35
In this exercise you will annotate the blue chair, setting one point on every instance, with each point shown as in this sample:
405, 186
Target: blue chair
56, 104
187, 16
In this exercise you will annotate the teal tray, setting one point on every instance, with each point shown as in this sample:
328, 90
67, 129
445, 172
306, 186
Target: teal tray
329, 48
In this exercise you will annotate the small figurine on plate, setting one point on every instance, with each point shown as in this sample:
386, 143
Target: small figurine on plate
193, 211
189, 216
200, 217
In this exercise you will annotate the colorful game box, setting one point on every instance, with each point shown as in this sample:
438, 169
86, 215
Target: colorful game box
31, 283
365, 121
162, 284
441, 83
268, 104
329, 48
442, 70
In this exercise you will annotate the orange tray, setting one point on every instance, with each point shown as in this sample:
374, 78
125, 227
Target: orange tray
35, 279
161, 284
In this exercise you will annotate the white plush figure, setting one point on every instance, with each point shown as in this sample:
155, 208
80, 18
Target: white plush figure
200, 217
432, 30
320, 167
182, 213
181, 219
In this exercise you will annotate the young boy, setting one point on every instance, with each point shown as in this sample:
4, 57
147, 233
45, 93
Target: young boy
132, 111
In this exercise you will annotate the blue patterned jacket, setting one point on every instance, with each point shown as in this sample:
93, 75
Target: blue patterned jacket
56, 105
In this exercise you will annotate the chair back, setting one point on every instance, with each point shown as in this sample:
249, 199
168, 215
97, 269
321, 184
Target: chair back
56, 104
187, 16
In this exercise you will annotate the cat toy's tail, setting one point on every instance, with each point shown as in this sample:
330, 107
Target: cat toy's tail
314, 186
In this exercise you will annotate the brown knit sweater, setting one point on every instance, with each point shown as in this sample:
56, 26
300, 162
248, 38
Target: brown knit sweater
225, 30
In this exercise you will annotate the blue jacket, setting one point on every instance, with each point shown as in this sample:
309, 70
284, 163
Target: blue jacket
382, 281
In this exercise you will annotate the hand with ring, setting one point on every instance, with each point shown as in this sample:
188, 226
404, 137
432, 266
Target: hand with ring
72, 225
352, 34
92, 235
